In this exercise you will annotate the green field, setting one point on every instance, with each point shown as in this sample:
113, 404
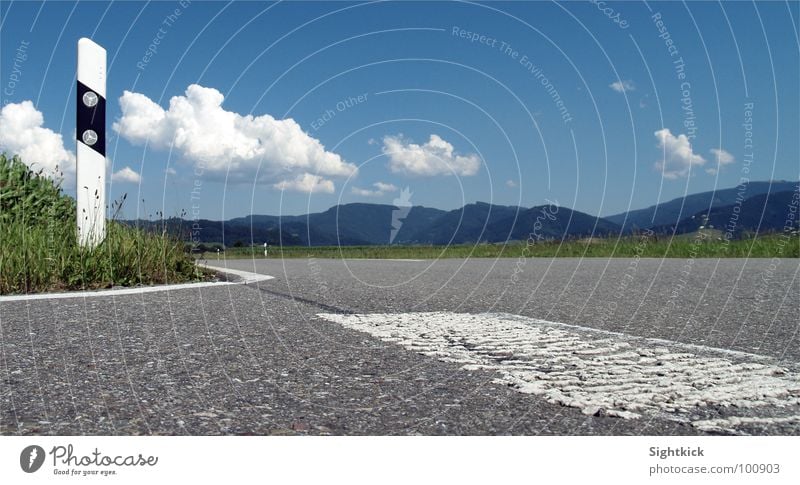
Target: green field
700, 245
40, 251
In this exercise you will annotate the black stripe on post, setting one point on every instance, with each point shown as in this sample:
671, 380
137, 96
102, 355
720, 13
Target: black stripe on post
91, 118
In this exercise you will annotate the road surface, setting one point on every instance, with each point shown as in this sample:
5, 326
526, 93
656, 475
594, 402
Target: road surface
481, 346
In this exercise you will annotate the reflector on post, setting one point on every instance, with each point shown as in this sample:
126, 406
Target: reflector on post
90, 131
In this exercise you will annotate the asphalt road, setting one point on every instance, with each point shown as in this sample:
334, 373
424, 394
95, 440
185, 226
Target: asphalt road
259, 359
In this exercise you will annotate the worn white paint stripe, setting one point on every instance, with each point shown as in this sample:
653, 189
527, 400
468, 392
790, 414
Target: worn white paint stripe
724, 424
246, 278
598, 372
650, 340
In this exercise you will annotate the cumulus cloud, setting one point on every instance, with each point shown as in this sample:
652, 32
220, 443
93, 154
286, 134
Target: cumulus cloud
216, 140
679, 158
380, 189
308, 183
385, 187
511, 184
623, 86
22, 133
126, 174
722, 158
436, 157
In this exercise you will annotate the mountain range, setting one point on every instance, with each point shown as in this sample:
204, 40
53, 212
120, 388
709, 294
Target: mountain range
676, 210
757, 206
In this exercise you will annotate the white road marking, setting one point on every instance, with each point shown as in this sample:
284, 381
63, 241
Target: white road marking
724, 424
599, 372
247, 278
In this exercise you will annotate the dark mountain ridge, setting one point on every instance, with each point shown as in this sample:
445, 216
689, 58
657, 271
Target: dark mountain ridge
376, 224
674, 211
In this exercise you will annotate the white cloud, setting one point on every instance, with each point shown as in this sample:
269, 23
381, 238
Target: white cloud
170, 171
511, 184
22, 133
381, 189
722, 157
623, 86
126, 174
308, 183
436, 157
216, 140
366, 192
678, 155
385, 187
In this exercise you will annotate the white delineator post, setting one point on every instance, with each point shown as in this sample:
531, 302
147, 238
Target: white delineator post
90, 131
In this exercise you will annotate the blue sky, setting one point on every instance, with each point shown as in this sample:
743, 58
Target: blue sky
334, 102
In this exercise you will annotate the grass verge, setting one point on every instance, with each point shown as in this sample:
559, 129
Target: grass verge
40, 251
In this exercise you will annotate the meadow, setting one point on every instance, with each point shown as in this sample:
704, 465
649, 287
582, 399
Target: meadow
698, 245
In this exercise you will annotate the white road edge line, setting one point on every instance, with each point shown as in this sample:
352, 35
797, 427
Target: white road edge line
247, 279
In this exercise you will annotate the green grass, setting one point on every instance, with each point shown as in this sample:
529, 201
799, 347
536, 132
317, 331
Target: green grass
686, 246
40, 251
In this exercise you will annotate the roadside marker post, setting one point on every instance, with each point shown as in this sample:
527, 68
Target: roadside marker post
90, 131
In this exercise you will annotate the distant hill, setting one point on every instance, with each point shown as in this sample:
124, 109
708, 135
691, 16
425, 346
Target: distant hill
761, 213
468, 224
674, 211
546, 222
417, 221
350, 224
372, 224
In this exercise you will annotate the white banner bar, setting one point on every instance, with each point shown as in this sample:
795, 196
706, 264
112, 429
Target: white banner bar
379, 460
